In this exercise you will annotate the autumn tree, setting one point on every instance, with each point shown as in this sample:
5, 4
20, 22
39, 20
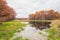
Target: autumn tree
44, 15
32, 17
6, 13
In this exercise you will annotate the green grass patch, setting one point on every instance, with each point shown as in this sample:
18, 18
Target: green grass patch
7, 29
54, 34
20, 38
40, 33
40, 20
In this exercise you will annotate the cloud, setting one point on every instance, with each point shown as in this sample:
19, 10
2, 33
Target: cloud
25, 7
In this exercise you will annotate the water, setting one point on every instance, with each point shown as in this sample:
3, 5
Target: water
32, 34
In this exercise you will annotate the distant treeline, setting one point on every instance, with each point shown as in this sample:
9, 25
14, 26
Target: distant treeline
43, 15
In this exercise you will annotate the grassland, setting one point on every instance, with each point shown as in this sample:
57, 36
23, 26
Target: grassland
7, 29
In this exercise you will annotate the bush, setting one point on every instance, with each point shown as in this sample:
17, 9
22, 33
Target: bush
7, 29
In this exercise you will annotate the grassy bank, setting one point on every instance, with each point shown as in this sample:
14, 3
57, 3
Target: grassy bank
54, 31
7, 29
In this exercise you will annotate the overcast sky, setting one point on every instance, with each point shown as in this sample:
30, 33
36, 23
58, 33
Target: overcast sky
24, 7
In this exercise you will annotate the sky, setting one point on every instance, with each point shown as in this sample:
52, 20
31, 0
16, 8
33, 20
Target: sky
25, 7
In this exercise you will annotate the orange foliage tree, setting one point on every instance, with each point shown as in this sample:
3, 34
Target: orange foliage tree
6, 13
43, 15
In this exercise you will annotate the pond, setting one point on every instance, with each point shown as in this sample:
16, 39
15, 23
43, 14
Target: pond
32, 33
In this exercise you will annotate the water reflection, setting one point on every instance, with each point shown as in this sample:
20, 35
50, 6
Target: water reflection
32, 33
40, 25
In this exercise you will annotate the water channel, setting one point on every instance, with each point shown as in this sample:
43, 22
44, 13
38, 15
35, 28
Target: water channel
32, 33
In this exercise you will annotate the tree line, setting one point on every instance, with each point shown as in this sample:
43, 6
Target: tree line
43, 15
